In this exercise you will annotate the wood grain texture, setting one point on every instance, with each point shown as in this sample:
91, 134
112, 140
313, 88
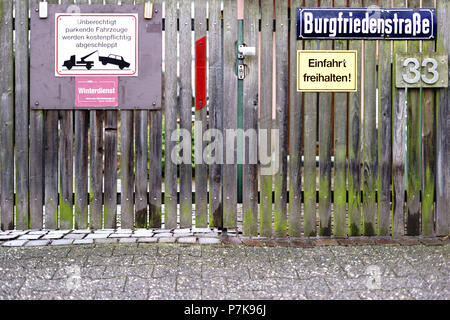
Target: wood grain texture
201, 169
295, 129
51, 169
442, 131
155, 171
66, 170
81, 127
325, 145
141, 180
7, 116
310, 150
384, 135
340, 150
266, 171
282, 108
398, 140
170, 112
413, 153
250, 121
354, 145
110, 166
126, 169
230, 116
81, 169
369, 137
215, 104
428, 146
21, 113
186, 104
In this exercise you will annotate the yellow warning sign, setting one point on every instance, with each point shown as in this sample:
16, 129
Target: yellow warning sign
326, 70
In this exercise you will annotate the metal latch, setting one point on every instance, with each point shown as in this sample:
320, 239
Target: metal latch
241, 72
148, 10
43, 10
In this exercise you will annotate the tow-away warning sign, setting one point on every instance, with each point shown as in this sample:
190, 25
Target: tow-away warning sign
96, 44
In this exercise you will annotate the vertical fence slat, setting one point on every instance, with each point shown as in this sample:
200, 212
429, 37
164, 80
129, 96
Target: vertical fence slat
215, 104
250, 121
51, 169
325, 143
141, 161
81, 167
384, 134
201, 170
398, 140
21, 113
369, 136
110, 209
66, 165
282, 82
170, 112
7, 116
126, 169
413, 153
155, 170
354, 145
141, 181
310, 145
266, 117
36, 164
96, 179
110, 167
428, 146
230, 116
66, 170
155, 173
295, 129
340, 143
443, 129
185, 34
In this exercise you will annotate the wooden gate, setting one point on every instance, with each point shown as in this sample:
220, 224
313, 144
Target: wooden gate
362, 163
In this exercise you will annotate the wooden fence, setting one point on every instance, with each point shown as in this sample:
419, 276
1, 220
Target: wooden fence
383, 166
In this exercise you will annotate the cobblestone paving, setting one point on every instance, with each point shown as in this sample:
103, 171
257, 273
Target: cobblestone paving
140, 270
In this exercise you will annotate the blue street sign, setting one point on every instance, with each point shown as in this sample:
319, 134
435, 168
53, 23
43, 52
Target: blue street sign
366, 23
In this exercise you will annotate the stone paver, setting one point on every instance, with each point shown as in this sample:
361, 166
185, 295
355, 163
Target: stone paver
150, 269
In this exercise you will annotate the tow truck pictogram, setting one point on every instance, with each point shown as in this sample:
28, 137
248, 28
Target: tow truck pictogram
69, 64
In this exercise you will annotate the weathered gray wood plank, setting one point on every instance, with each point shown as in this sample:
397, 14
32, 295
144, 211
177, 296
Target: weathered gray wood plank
384, 134
201, 170
186, 104
141, 180
340, 150
110, 167
81, 169
7, 116
21, 113
155, 173
398, 141
295, 130
66, 170
250, 121
170, 112
230, 116
413, 153
310, 151
265, 220
282, 108
126, 169
354, 145
215, 104
442, 132
325, 145
51, 169
428, 146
